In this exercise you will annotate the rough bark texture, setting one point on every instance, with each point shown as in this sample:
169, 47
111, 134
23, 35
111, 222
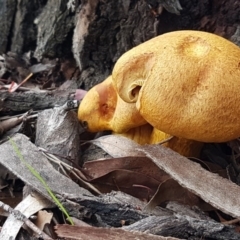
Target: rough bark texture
103, 30
117, 27
7, 12
23, 101
18, 29
54, 27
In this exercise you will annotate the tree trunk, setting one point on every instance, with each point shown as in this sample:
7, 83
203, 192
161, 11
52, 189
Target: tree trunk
97, 32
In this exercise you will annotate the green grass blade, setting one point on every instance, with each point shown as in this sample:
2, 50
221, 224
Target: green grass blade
38, 176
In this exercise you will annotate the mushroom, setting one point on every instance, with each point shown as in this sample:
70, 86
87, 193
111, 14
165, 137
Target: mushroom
141, 135
102, 109
184, 83
185, 147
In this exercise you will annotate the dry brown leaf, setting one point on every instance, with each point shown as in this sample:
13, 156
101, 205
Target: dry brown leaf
29, 205
137, 176
215, 190
133, 183
118, 146
43, 218
31, 154
171, 190
85, 233
144, 165
9, 123
212, 167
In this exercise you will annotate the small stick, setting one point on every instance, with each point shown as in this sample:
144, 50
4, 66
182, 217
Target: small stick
14, 87
21, 217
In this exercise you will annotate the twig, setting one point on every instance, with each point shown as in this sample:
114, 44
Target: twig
15, 86
21, 217
64, 166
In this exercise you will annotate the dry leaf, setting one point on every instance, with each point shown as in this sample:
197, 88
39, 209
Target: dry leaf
118, 146
133, 183
171, 190
43, 218
144, 165
85, 233
137, 176
63, 186
215, 190
9, 123
30, 205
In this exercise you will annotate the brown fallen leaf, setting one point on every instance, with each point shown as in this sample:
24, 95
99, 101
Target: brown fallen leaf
217, 191
118, 146
143, 165
137, 176
133, 183
10, 123
43, 218
168, 188
85, 233
171, 190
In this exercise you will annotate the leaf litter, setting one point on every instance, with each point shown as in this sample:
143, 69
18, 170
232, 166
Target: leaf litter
179, 178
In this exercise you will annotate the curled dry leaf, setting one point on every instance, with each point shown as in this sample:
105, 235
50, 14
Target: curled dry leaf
43, 218
137, 176
171, 190
118, 146
10, 123
217, 191
142, 165
133, 183
40, 67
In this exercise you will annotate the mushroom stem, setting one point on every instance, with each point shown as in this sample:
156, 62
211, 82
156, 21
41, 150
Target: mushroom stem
185, 147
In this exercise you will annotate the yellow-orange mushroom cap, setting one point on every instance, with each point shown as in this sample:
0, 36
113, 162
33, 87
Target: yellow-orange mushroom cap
102, 109
184, 83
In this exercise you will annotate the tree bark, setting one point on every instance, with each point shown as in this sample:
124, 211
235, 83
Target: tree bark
96, 32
